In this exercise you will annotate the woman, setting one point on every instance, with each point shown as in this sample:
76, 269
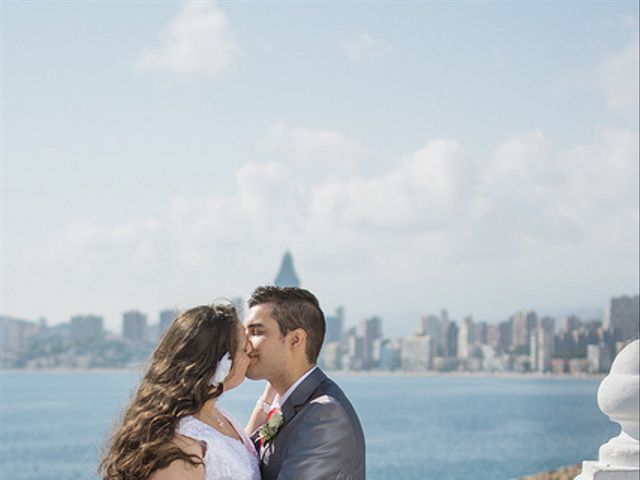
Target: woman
173, 428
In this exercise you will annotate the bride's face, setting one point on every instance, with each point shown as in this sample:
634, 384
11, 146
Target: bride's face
240, 361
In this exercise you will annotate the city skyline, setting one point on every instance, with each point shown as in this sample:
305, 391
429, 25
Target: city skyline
288, 276
163, 316
526, 342
482, 157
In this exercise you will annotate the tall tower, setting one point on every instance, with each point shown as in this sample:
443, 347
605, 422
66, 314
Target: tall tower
86, 328
287, 276
542, 345
370, 331
465, 338
522, 324
335, 326
623, 317
134, 325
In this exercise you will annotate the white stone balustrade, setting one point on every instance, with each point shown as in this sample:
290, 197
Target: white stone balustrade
619, 399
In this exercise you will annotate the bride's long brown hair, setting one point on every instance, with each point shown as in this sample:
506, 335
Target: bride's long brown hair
176, 384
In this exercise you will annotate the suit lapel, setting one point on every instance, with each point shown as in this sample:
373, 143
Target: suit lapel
293, 405
300, 395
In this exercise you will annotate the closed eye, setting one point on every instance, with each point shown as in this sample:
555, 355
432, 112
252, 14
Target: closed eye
255, 330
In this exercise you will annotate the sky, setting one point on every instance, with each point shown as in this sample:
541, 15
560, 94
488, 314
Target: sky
480, 157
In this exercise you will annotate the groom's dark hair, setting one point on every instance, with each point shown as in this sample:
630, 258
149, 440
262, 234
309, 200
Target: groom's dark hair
294, 308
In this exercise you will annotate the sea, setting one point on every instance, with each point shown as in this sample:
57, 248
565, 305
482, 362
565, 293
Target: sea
53, 425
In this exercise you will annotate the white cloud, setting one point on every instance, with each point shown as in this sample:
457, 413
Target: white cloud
198, 40
530, 213
619, 77
313, 154
88, 249
362, 44
423, 192
518, 190
531, 191
527, 189
603, 177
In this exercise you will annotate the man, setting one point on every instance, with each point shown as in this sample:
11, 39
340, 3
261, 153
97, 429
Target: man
318, 435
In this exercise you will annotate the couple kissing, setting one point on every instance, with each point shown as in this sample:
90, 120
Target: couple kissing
303, 426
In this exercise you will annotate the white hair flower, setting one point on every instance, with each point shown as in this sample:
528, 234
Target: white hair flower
222, 370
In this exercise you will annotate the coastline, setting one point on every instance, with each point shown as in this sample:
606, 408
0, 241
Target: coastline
564, 473
348, 373
463, 374
71, 370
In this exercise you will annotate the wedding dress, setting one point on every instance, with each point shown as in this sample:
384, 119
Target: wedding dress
225, 458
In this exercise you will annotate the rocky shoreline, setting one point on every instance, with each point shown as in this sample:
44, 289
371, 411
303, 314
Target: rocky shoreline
564, 473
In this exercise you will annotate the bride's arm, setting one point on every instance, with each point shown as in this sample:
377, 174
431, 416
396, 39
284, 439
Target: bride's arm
259, 416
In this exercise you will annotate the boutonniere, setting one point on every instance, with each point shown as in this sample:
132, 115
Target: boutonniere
271, 428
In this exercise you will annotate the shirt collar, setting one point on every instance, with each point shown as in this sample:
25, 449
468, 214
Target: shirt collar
279, 401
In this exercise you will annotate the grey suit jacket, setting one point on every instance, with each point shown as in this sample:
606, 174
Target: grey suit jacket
321, 437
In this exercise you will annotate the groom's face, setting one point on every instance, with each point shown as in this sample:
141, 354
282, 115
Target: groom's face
269, 356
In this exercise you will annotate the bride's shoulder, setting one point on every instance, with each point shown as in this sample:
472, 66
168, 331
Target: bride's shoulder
179, 469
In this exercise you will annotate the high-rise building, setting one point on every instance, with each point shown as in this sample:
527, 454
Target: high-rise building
570, 323
134, 326
15, 334
522, 324
542, 346
599, 357
465, 338
432, 325
622, 315
355, 349
287, 276
416, 353
481, 333
506, 336
335, 326
332, 356
389, 355
493, 336
451, 339
370, 330
87, 328
165, 319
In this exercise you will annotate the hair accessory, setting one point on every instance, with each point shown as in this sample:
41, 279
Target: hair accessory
222, 370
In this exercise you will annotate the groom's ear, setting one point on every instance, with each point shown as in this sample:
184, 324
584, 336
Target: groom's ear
298, 339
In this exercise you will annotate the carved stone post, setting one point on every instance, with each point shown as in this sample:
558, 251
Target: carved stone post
619, 399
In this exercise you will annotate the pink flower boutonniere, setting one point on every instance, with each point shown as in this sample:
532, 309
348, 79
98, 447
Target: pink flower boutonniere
271, 428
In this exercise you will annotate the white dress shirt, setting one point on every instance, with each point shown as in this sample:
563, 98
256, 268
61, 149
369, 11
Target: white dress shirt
279, 401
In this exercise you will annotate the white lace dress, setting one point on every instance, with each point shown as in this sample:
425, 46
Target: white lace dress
225, 458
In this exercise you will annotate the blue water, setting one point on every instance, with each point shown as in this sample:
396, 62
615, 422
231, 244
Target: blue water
53, 424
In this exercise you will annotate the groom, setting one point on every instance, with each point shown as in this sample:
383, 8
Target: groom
310, 430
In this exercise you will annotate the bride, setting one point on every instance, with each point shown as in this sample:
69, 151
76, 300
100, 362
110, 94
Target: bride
174, 428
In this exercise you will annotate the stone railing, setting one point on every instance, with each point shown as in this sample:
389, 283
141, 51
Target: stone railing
619, 399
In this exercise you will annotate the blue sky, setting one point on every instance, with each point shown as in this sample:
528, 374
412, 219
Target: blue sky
477, 156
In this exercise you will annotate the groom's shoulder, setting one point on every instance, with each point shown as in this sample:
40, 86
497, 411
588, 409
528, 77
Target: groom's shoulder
330, 406
330, 396
328, 413
330, 388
